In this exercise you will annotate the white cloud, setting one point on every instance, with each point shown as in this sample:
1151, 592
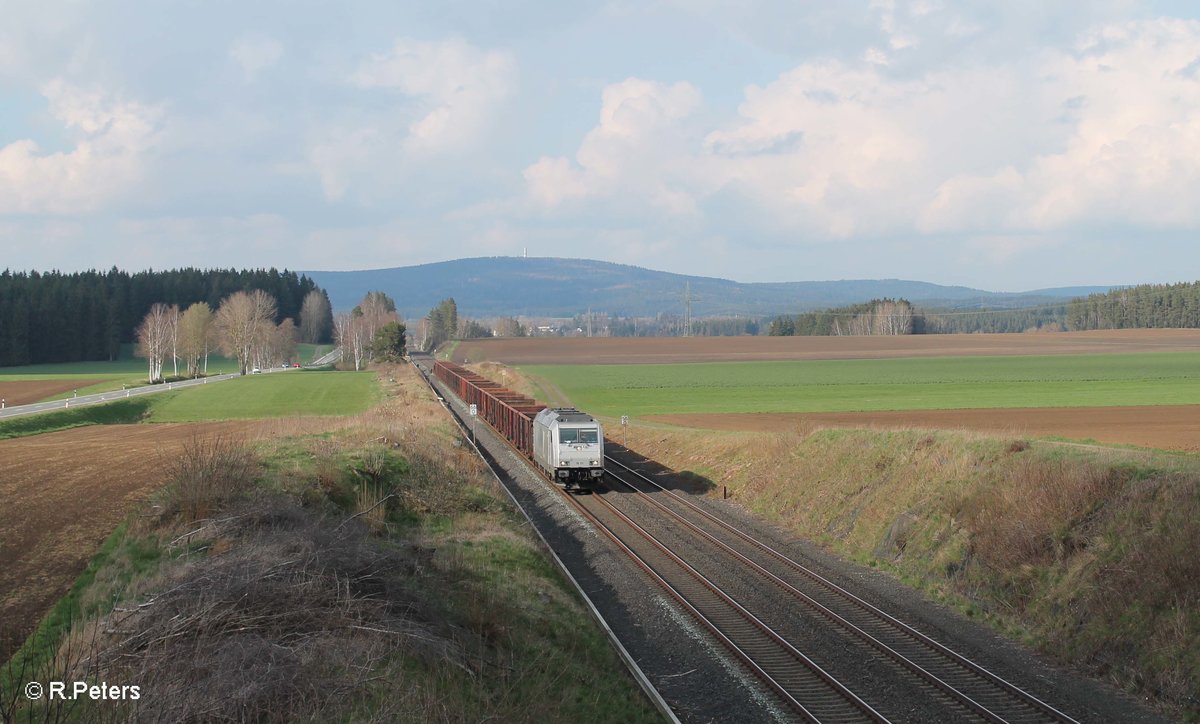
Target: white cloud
1004, 248
255, 54
875, 56
1132, 154
639, 149
899, 36
112, 141
1106, 133
341, 156
439, 100
455, 84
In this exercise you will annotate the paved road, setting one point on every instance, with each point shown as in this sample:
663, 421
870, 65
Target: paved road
70, 402
334, 355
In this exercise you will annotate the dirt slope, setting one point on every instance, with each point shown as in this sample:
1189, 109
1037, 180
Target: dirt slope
62, 493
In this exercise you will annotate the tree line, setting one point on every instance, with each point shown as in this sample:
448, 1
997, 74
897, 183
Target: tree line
243, 327
443, 323
373, 330
1145, 305
888, 316
1045, 318
878, 316
87, 316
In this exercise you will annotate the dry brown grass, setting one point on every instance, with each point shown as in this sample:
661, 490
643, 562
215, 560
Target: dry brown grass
1087, 553
290, 615
281, 602
204, 473
1042, 511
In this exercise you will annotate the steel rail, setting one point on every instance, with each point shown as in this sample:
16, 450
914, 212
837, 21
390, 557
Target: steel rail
833, 686
868, 713
830, 614
1007, 687
643, 681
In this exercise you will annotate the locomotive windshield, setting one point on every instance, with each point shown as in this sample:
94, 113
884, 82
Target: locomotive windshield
577, 435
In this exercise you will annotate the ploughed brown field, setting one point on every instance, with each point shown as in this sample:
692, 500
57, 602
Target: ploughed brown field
643, 350
1167, 427
23, 392
62, 494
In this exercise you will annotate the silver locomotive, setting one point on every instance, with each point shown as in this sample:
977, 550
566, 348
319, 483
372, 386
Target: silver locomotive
569, 446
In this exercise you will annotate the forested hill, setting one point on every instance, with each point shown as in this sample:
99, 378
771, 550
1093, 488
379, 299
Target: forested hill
1146, 305
548, 287
84, 316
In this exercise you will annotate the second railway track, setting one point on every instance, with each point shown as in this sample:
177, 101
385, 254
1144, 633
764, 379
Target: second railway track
970, 688
798, 680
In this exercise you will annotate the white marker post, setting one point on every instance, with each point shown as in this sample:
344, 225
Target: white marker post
624, 430
474, 411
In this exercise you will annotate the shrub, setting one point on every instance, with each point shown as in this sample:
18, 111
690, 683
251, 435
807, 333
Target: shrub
206, 474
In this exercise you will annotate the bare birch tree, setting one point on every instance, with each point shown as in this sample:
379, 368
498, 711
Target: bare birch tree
153, 338
244, 323
315, 317
195, 336
892, 317
173, 331
283, 341
372, 313
349, 333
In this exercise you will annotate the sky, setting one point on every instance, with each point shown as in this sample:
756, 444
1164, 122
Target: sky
1005, 146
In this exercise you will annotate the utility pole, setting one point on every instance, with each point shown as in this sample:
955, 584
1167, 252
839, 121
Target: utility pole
687, 319
589, 324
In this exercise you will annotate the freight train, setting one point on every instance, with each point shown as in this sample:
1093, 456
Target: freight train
568, 445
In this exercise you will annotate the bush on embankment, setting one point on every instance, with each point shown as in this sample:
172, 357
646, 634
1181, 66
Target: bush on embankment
1087, 554
372, 571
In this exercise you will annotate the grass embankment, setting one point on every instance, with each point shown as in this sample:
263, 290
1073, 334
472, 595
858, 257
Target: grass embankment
374, 572
878, 384
118, 412
1088, 555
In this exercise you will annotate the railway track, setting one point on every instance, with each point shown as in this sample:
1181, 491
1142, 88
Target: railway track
975, 691
968, 690
798, 680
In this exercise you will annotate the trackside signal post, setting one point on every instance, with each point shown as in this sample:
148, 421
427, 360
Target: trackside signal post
474, 411
624, 430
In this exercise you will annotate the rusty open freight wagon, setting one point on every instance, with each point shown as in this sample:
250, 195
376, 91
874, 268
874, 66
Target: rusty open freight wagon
509, 413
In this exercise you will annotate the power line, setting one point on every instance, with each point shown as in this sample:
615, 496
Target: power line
933, 313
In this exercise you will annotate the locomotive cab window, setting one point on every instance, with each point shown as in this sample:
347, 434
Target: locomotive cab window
577, 435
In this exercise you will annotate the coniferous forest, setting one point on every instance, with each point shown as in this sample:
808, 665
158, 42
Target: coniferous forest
87, 316
1146, 305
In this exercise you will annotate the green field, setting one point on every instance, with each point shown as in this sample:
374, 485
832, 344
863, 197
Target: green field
270, 395
870, 385
128, 370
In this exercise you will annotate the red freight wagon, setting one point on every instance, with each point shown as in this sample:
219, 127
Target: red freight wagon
509, 413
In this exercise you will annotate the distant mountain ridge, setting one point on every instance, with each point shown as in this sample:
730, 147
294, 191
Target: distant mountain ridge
552, 287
